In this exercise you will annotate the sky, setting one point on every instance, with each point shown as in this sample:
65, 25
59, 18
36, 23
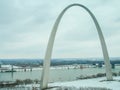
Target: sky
25, 27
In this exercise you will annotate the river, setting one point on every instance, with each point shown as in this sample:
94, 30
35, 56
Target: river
56, 74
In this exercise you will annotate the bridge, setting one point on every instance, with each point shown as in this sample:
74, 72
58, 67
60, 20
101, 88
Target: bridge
12, 68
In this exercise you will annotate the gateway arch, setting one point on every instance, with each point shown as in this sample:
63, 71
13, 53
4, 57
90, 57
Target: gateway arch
46, 63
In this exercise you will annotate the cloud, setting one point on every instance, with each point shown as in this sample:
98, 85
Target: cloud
25, 27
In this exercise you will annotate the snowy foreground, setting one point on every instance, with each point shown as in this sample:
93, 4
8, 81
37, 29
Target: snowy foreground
93, 84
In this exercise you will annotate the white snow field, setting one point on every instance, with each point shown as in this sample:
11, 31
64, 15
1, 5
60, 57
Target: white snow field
88, 84
84, 84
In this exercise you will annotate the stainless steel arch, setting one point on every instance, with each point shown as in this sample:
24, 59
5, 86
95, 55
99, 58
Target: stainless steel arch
46, 65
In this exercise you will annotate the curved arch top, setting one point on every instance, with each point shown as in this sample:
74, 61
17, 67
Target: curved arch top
46, 64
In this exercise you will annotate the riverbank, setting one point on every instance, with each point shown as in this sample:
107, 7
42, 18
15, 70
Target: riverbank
86, 84
98, 83
95, 82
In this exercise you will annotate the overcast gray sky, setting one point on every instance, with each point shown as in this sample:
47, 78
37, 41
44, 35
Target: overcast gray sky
25, 26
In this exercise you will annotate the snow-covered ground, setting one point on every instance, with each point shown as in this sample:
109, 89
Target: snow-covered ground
92, 84
96, 82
